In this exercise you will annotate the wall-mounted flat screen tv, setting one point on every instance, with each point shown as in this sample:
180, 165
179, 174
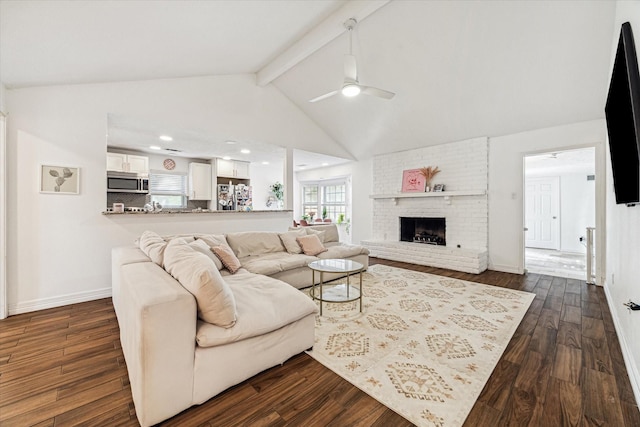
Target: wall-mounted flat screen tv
622, 112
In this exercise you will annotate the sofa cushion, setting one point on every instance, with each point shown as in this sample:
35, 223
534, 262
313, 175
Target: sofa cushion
342, 251
330, 232
213, 239
264, 305
153, 246
227, 257
198, 274
269, 264
202, 247
311, 245
319, 234
289, 240
254, 243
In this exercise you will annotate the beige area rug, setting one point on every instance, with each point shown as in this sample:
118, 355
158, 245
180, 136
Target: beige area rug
424, 345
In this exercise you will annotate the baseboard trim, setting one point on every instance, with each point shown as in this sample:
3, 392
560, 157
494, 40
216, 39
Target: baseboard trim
52, 302
632, 369
505, 268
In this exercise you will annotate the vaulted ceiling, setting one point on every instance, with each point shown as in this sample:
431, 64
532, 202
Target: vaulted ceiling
460, 69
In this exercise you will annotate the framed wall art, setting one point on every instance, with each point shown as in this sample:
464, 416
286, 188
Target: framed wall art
413, 181
438, 188
59, 179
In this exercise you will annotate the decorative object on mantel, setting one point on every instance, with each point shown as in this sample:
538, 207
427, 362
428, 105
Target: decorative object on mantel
169, 164
59, 179
438, 188
413, 181
429, 172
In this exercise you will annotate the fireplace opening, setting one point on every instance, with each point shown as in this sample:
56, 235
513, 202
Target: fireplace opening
430, 231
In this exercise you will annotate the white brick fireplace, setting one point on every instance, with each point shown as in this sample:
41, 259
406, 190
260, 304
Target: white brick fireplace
463, 204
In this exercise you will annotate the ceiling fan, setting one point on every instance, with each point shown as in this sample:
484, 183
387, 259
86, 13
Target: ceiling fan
351, 86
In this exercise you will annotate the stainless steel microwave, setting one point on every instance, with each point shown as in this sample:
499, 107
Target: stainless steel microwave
126, 183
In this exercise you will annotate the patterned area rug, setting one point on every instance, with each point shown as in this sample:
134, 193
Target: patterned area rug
424, 345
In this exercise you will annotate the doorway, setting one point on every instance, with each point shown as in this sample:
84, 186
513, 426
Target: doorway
560, 203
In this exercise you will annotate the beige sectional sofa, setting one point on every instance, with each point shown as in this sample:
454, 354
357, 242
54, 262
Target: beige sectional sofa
175, 359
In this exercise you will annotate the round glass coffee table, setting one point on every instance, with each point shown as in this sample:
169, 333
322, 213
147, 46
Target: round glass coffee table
335, 292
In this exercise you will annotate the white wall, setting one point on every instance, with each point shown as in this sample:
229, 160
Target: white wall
59, 245
506, 231
3, 205
262, 177
623, 240
577, 209
361, 187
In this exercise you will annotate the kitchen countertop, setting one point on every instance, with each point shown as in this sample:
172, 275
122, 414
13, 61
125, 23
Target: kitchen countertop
204, 211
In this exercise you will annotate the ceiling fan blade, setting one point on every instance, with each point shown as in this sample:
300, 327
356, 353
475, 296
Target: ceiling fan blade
374, 91
350, 68
321, 97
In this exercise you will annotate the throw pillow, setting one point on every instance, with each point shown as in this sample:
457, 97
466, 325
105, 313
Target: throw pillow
199, 275
228, 258
320, 234
153, 246
289, 240
311, 245
202, 247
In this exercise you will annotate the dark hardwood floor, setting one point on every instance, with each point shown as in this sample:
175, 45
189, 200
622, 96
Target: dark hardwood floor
563, 366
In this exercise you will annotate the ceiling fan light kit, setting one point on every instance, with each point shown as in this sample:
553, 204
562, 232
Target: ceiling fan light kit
350, 90
351, 86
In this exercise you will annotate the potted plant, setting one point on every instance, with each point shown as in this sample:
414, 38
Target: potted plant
278, 192
324, 213
344, 224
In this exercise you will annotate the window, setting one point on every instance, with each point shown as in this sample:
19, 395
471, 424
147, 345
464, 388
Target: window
329, 196
170, 190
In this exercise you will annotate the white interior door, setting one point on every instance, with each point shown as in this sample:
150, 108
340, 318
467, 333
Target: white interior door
542, 212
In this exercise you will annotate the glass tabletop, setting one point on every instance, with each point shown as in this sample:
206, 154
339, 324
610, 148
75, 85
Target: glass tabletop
336, 266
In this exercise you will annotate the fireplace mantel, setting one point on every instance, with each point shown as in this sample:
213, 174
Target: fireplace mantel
446, 194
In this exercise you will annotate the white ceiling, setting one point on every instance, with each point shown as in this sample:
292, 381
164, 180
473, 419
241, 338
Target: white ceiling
460, 69
61, 42
562, 162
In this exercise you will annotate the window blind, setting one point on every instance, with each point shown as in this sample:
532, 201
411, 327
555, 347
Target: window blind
170, 184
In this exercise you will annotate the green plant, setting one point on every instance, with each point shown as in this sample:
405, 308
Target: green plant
278, 190
324, 213
347, 222
306, 217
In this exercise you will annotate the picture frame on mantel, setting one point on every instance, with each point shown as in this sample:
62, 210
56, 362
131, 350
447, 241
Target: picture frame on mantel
59, 179
438, 188
413, 181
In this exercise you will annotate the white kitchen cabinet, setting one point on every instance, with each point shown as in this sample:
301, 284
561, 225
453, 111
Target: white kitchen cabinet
232, 169
200, 181
138, 164
116, 162
128, 163
242, 170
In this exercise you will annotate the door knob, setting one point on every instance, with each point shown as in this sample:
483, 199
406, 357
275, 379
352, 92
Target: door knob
555, 217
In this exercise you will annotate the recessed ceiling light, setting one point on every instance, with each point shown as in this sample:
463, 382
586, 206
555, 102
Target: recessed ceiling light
166, 138
231, 142
325, 164
226, 158
265, 163
245, 151
155, 147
